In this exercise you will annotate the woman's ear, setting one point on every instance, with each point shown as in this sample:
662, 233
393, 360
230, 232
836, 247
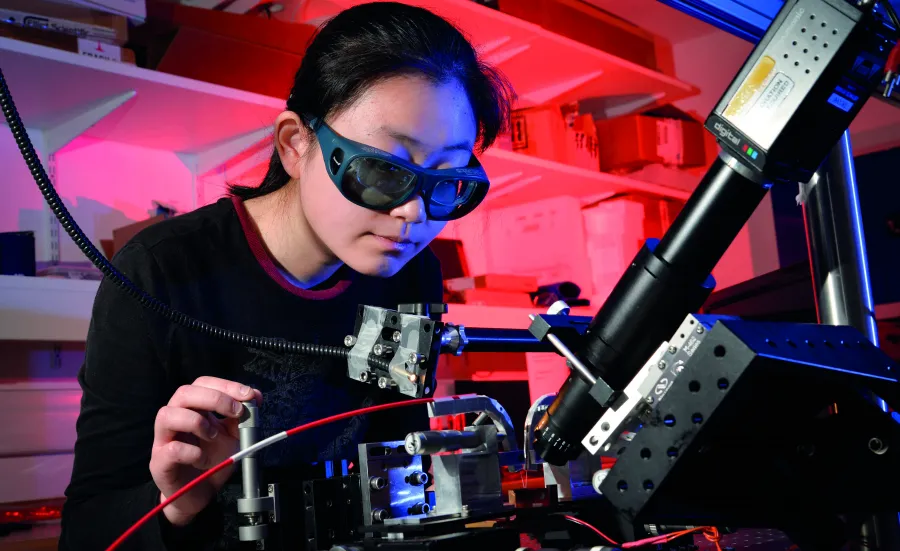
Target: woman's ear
291, 142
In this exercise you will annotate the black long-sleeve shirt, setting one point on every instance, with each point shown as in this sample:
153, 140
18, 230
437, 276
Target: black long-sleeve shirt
211, 264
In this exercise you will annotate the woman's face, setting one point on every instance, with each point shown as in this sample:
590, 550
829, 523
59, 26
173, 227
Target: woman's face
430, 125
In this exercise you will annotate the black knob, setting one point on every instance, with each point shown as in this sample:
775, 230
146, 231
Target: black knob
432, 311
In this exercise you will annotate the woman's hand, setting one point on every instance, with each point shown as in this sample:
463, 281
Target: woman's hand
188, 440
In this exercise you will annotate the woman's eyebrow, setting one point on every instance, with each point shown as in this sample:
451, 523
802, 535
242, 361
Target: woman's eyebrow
419, 144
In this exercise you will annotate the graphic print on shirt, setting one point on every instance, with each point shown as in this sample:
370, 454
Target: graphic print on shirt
299, 389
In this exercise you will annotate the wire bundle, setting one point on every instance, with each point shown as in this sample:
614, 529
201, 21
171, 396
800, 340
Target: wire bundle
710, 532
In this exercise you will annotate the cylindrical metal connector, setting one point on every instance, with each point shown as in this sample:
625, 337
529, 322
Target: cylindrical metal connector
248, 430
420, 509
377, 482
418, 479
380, 515
436, 441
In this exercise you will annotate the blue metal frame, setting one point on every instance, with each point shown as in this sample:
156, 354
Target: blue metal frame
746, 19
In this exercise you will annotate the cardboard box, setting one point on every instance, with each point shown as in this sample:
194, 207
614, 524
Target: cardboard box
544, 239
631, 142
582, 146
494, 282
596, 28
556, 133
616, 230
132, 9
243, 52
121, 236
68, 43
490, 297
67, 19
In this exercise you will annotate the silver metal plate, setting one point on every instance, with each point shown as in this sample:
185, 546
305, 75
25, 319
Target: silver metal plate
786, 71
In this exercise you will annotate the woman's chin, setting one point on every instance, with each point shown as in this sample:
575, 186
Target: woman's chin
380, 265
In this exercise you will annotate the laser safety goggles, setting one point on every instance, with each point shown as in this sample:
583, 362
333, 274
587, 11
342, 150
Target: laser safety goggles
377, 180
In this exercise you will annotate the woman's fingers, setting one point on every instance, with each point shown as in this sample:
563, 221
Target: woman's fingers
201, 398
172, 420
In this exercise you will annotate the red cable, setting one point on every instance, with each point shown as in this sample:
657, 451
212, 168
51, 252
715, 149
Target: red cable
893, 60
153, 512
587, 525
711, 533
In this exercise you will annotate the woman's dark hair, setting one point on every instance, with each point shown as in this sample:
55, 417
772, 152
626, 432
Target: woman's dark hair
372, 42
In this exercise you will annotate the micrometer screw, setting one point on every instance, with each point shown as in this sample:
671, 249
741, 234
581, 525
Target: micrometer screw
396, 336
349, 341
661, 364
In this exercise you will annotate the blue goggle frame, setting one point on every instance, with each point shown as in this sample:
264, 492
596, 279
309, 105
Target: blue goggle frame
396, 180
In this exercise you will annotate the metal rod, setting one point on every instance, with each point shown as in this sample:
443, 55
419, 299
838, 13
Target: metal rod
837, 245
840, 273
576, 364
503, 340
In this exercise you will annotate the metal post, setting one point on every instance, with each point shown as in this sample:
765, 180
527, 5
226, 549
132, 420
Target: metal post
840, 272
837, 245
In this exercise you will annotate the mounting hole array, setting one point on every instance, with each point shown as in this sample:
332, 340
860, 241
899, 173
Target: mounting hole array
812, 344
814, 30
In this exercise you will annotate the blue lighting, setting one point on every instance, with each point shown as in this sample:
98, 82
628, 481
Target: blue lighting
746, 19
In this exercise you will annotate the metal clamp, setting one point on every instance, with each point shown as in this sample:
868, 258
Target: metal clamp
475, 403
256, 509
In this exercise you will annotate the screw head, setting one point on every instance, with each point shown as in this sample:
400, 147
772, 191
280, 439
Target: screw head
383, 382
414, 358
661, 364
396, 336
364, 376
349, 341
699, 329
672, 350
378, 349
649, 399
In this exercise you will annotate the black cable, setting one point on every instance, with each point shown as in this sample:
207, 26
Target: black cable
113, 274
892, 14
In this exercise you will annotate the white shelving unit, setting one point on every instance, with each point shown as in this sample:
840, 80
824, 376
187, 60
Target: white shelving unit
62, 96
207, 124
569, 70
45, 309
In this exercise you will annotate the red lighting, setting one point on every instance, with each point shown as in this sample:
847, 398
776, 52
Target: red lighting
20, 513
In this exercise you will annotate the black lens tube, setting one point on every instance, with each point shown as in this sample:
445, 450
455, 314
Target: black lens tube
664, 283
503, 340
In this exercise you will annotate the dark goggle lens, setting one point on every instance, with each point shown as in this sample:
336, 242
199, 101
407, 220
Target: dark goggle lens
451, 198
377, 183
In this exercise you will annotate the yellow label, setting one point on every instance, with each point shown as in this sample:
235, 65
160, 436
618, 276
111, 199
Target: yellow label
745, 95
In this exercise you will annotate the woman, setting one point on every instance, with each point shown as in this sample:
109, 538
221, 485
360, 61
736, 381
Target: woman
292, 258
